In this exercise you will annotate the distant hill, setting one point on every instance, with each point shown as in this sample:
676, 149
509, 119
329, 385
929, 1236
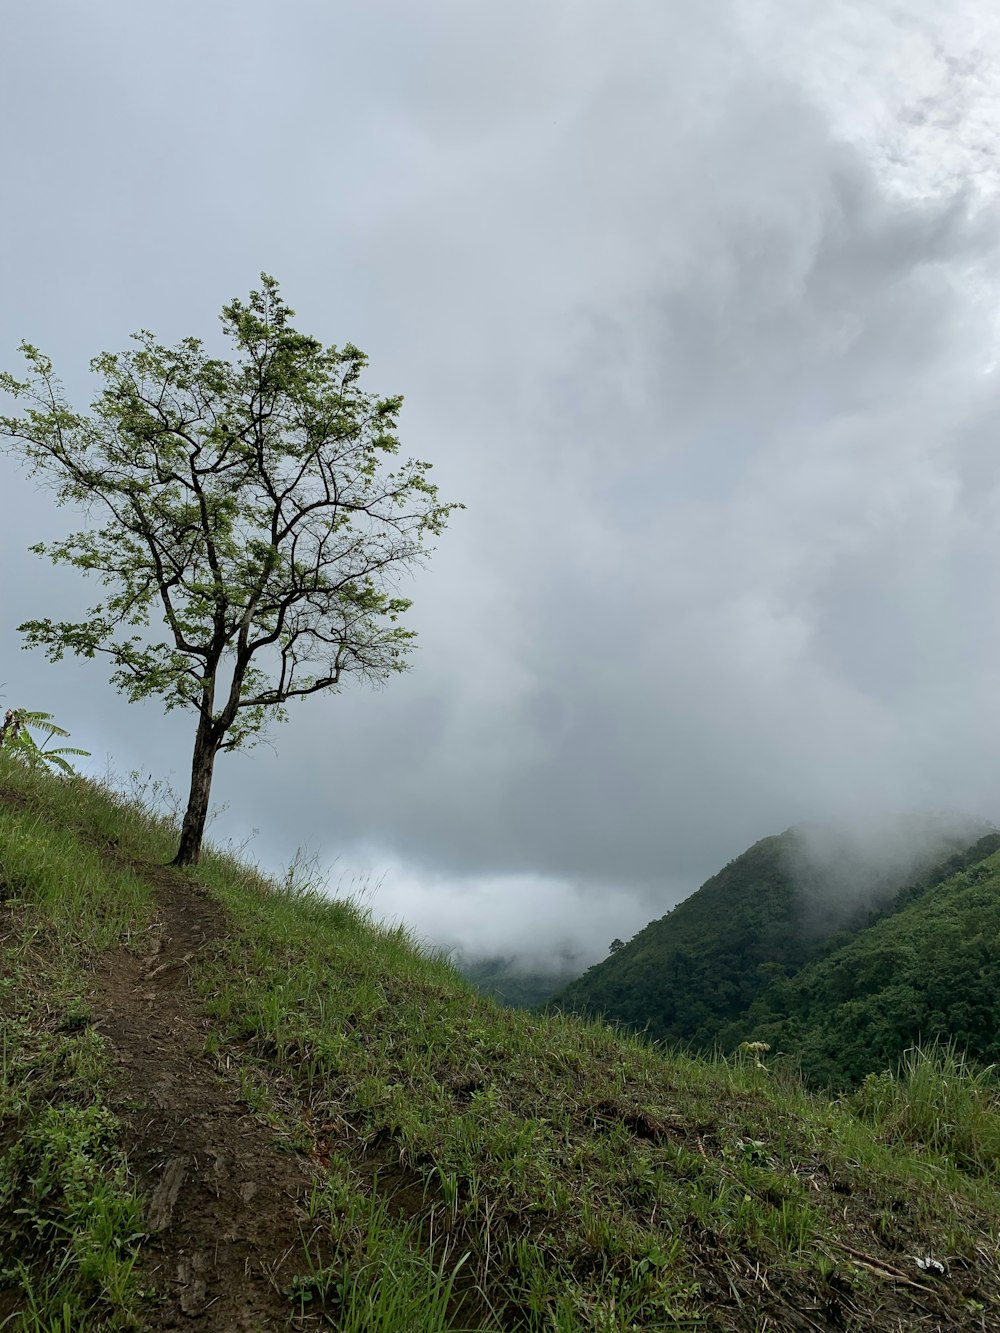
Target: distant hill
512, 982
693, 976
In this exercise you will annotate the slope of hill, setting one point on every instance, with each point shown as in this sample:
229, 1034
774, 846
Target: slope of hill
688, 976
928, 971
230, 1106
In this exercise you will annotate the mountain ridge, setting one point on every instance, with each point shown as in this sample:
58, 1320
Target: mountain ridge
926, 971
691, 976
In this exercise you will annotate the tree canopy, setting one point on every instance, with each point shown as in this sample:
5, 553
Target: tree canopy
249, 523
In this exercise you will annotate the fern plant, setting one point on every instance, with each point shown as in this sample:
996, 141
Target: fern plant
17, 740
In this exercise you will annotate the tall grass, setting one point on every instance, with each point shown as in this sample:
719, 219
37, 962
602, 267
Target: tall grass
135, 814
940, 1102
67, 884
383, 1279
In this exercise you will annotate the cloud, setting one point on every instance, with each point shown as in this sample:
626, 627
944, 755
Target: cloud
694, 310
740, 462
543, 921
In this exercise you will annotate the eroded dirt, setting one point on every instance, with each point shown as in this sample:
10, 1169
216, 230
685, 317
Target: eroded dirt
223, 1197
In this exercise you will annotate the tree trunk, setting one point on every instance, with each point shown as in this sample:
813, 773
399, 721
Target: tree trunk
206, 747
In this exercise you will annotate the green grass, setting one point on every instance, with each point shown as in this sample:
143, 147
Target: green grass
383, 1278
938, 1103
68, 888
129, 816
482, 1168
72, 1218
588, 1178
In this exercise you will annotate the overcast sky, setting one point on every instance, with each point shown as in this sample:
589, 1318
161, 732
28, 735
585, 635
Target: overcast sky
695, 308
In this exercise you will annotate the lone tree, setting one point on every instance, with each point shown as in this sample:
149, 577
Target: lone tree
247, 506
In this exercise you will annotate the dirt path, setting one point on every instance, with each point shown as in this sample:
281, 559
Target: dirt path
223, 1200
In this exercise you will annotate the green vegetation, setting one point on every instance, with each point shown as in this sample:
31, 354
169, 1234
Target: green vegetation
840, 955
939, 1100
473, 1167
72, 1218
16, 737
929, 971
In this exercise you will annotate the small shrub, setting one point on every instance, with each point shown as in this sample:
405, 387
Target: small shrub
17, 740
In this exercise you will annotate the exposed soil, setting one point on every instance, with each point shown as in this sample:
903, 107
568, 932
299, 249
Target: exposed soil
223, 1198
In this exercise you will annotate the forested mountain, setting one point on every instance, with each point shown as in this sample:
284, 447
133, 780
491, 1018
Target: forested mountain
928, 971
699, 975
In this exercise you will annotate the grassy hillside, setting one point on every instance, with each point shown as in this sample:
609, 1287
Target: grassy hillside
693, 974
229, 1105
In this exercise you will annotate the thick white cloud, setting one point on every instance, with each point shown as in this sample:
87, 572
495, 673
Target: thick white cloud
694, 310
